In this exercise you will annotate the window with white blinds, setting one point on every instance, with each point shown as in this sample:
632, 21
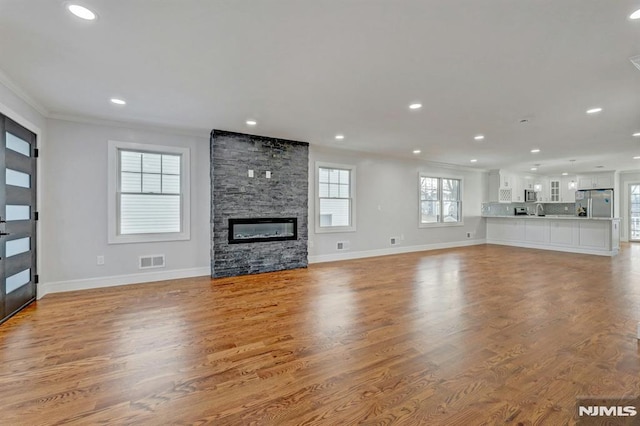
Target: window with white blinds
150, 192
335, 200
440, 200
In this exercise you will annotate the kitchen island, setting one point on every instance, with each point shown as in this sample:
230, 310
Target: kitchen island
599, 236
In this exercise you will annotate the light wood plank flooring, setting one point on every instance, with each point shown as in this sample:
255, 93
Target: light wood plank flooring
476, 335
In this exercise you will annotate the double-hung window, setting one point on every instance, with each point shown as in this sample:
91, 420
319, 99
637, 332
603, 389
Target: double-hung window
335, 201
440, 200
149, 193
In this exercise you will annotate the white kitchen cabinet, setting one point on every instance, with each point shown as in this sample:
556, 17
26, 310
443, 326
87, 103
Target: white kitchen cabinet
527, 183
571, 234
501, 186
517, 189
541, 186
596, 180
554, 190
567, 191
561, 232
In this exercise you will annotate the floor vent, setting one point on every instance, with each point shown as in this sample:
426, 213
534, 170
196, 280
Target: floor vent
342, 245
151, 261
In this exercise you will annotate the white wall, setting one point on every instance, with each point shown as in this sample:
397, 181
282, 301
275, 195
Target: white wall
392, 184
625, 179
74, 210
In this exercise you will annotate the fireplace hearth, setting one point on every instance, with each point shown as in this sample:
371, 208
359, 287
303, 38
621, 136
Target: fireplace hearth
256, 230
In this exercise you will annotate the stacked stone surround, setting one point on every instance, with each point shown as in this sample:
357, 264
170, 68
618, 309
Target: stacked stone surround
236, 195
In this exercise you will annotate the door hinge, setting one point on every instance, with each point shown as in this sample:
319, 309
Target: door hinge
35, 153
36, 279
36, 215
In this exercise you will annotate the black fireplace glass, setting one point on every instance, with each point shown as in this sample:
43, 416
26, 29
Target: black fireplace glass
255, 230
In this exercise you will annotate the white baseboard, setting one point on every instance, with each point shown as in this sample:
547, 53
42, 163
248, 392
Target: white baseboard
392, 250
99, 282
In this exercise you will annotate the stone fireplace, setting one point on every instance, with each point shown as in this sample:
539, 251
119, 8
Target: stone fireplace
259, 204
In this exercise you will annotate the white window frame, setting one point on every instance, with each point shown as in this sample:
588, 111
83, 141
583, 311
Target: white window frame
352, 196
113, 236
440, 177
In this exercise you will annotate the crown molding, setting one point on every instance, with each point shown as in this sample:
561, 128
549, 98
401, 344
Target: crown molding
9, 84
184, 131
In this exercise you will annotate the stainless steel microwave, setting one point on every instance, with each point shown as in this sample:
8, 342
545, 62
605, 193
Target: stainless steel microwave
530, 196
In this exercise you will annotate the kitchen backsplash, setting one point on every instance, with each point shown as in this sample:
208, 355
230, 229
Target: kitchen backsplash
506, 209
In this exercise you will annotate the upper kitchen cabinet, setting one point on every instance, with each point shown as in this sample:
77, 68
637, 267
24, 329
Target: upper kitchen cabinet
562, 189
568, 187
554, 190
596, 180
542, 187
502, 186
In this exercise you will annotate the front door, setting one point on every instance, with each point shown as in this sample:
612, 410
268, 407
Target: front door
17, 217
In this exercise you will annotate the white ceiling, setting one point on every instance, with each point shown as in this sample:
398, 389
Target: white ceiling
307, 70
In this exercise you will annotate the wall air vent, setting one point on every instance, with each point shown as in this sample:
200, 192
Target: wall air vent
635, 60
151, 261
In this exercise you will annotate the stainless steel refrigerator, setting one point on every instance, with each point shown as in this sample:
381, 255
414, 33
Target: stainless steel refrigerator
595, 203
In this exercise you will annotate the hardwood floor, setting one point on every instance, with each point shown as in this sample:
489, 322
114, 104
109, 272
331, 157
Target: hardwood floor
475, 335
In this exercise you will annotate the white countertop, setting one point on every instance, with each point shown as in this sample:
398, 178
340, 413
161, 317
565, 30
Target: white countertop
551, 216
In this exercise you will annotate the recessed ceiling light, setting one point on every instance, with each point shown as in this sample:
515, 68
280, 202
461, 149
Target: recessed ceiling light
251, 122
339, 137
637, 134
81, 12
118, 101
416, 151
415, 106
594, 110
474, 160
535, 151
635, 15
478, 137
637, 158
533, 169
565, 174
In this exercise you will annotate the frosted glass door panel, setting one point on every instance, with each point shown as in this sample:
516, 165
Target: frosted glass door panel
17, 213
16, 178
16, 281
18, 145
18, 246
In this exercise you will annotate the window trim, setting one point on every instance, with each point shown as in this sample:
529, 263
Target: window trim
352, 197
113, 237
440, 177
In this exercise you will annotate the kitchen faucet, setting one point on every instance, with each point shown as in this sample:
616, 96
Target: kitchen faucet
540, 207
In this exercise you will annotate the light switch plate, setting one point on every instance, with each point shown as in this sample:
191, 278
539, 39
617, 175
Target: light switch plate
250, 173
268, 174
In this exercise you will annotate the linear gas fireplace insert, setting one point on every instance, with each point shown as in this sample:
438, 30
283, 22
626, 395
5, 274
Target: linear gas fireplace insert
256, 230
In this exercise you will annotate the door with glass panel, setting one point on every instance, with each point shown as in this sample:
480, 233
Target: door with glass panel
17, 217
634, 212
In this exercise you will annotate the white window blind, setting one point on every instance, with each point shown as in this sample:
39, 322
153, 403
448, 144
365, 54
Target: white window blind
149, 193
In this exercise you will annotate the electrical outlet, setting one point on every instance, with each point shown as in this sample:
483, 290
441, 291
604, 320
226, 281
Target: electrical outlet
393, 240
566, 209
468, 234
100, 260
